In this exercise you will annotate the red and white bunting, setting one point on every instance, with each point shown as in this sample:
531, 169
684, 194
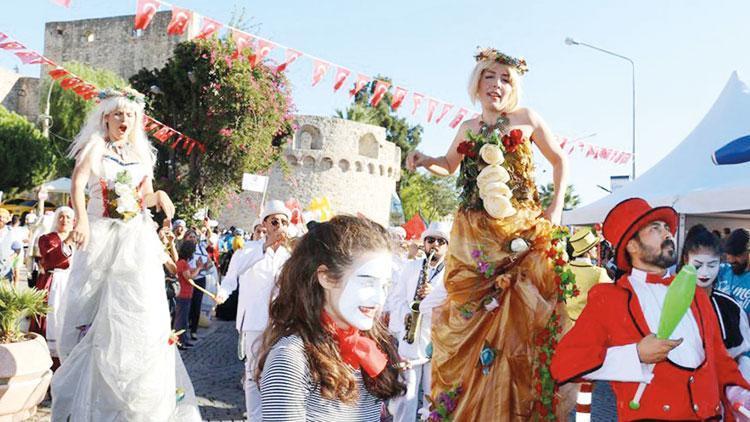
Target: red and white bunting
398, 98
163, 134
319, 70
431, 106
417, 97
264, 49
242, 41
342, 74
144, 12
180, 21
289, 57
63, 3
446, 108
362, 80
12, 45
58, 73
458, 118
381, 88
3, 37
31, 57
209, 27
70, 82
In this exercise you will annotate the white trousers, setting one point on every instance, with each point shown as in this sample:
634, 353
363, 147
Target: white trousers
252, 393
404, 408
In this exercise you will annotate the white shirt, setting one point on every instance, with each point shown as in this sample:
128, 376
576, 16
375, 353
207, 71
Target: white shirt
255, 272
622, 362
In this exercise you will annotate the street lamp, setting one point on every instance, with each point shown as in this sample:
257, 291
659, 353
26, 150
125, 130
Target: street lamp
571, 41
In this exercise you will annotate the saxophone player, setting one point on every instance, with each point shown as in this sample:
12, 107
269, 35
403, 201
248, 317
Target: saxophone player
419, 282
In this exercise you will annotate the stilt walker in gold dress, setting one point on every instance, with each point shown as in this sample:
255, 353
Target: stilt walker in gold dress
493, 337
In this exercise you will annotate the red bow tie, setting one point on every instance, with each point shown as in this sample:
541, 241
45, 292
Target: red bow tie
357, 350
659, 279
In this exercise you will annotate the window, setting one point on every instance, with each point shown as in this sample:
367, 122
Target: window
368, 146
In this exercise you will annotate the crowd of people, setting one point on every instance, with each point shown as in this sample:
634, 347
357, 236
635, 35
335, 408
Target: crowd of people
496, 315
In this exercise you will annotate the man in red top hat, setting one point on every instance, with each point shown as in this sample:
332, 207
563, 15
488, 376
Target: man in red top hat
693, 376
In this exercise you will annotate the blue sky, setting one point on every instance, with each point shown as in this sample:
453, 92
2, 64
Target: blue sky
684, 52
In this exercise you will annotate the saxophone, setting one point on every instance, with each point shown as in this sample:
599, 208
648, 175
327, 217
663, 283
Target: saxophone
414, 318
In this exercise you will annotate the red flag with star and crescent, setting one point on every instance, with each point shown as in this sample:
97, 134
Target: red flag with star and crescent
179, 22
289, 57
319, 70
342, 74
381, 88
362, 80
398, 98
144, 12
264, 49
208, 28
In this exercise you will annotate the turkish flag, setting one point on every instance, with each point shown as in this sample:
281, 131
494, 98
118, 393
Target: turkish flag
341, 74
380, 89
414, 227
458, 118
58, 73
32, 57
144, 12
177, 141
625, 158
3, 36
289, 57
163, 134
12, 45
319, 70
242, 41
208, 28
362, 80
179, 22
264, 49
431, 106
191, 144
70, 83
446, 108
398, 98
202, 147
84, 89
417, 101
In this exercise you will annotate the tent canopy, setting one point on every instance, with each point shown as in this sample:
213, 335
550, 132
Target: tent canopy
61, 185
686, 178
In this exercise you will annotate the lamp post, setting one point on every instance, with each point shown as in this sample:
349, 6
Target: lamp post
571, 41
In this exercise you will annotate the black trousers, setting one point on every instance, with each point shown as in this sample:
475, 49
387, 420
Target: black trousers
195, 304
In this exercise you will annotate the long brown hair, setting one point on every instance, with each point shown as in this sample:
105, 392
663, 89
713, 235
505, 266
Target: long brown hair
298, 307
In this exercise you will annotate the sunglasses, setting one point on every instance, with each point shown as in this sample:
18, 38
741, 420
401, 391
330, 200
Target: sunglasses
439, 240
275, 222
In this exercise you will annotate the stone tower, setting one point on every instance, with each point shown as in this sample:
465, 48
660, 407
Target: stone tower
348, 162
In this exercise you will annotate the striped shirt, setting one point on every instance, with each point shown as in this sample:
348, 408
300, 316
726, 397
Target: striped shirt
288, 393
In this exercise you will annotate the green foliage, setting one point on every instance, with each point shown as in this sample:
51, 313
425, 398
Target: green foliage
69, 111
235, 110
433, 196
26, 157
546, 192
16, 304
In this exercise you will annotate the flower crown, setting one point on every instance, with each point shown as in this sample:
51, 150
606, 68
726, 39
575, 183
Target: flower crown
502, 58
128, 93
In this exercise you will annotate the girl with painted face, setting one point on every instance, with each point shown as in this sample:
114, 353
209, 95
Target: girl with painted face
702, 249
325, 354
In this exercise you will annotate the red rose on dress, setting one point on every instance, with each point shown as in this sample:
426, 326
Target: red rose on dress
512, 140
467, 148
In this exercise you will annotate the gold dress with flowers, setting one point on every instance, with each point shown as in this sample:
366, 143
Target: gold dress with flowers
492, 338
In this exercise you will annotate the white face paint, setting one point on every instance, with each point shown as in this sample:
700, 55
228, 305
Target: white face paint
707, 266
365, 291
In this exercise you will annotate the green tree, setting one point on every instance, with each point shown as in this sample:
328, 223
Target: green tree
242, 114
572, 199
26, 157
434, 197
68, 110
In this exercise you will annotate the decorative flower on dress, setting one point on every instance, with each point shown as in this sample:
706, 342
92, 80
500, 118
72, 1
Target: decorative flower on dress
467, 148
518, 245
512, 140
121, 199
487, 357
491, 154
174, 338
442, 407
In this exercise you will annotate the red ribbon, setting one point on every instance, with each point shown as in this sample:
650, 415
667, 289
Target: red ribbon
356, 350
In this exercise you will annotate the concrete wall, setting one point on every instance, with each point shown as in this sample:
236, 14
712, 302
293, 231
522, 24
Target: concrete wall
351, 163
19, 94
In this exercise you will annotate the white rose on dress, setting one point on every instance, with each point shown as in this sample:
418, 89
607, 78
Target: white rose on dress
123, 189
494, 189
493, 173
498, 207
127, 203
518, 245
491, 154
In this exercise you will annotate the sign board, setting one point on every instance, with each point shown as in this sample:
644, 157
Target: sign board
617, 182
254, 182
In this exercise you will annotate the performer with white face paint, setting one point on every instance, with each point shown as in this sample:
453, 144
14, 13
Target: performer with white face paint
702, 250
325, 354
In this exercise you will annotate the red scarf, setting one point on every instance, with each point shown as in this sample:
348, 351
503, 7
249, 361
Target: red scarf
356, 350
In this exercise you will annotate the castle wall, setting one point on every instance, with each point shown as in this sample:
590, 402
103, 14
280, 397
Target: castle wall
19, 94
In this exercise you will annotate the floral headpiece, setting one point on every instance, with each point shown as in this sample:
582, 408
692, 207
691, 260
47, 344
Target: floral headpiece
128, 93
502, 58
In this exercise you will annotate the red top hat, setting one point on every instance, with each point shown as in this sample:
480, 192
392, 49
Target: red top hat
629, 216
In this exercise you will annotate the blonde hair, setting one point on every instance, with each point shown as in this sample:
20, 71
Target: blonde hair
476, 75
91, 138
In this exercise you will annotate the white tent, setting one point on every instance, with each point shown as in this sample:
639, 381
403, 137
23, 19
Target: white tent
686, 178
61, 185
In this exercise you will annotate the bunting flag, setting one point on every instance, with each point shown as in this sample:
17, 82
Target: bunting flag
163, 134
319, 70
12, 45
458, 118
58, 73
446, 108
31, 57
144, 12
242, 41
208, 28
180, 21
381, 88
177, 141
362, 80
414, 227
70, 82
417, 97
63, 3
398, 98
342, 74
191, 144
431, 106
289, 57
264, 49
3, 37
86, 90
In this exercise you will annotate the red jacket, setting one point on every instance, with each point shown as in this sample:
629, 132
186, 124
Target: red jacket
613, 317
52, 258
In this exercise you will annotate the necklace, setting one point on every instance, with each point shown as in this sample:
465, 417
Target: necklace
500, 125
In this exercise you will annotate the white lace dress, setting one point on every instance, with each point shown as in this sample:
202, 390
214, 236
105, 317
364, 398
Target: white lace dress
114, 331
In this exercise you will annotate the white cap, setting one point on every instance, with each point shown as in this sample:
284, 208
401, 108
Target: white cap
397, 232
275, 207
440, 229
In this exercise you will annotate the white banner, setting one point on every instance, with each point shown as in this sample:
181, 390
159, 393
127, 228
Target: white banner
254, 182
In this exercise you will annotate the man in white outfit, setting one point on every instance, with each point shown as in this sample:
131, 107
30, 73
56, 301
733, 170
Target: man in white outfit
254, 268
418, 281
